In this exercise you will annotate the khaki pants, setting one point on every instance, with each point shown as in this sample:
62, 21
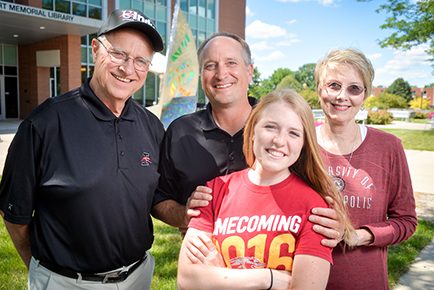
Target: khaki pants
40, 278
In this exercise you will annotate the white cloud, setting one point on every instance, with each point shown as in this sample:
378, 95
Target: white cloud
291, 1
261, 30
260, 46
289, 40
326, 2
249, 13
275, 55
290, 22
374, 56
412, 65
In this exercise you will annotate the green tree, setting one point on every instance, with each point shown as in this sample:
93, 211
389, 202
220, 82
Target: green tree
311, 98
278, 76
305, 75
385, 101
290, 82
255, 86
401, 88
412, 22
267, 85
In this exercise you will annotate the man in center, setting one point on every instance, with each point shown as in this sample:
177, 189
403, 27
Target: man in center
203, 145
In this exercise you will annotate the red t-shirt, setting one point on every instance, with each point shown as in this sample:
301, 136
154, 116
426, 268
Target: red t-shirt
261, 226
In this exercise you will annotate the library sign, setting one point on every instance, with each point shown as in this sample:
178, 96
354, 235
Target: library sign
32, 11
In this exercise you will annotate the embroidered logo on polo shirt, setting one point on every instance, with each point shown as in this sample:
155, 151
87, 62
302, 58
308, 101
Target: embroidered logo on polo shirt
145, 160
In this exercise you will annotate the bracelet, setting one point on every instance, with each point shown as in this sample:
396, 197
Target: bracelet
271, 275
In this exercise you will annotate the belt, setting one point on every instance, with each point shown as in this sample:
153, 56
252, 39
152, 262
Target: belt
114, 276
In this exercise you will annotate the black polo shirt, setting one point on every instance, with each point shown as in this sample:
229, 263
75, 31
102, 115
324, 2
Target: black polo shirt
194, 151
84, 180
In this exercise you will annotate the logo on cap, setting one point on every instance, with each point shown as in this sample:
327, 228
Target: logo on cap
129, 15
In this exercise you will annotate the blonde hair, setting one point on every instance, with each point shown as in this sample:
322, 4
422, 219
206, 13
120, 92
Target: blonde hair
349, 56
309, 165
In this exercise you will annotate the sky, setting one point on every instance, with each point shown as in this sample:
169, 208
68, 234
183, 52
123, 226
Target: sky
291, 33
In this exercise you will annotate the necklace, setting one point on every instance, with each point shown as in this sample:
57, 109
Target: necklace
339, 181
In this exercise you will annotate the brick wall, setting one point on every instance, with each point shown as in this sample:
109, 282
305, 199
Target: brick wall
34, 81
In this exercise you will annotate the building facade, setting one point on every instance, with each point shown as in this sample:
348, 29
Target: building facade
45, 44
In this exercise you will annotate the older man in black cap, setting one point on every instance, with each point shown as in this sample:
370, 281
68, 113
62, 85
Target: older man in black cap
80, 174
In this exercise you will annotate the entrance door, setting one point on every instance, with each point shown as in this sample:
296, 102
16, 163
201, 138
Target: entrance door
11, 97
2, 98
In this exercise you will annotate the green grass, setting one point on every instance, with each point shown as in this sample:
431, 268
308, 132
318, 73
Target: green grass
13, 274
166, 248
401, 256
414, 139
165, 251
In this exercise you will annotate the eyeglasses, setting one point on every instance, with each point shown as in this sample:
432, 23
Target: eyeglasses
334, 89
121, 57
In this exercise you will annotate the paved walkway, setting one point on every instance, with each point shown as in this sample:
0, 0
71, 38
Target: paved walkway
421, 164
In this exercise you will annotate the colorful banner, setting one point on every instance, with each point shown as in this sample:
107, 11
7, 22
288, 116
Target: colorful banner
182, 72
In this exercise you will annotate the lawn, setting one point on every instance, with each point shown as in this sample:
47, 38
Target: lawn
166, 247
167, 239
415, 139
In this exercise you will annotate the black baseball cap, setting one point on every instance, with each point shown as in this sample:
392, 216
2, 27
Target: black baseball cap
122, 18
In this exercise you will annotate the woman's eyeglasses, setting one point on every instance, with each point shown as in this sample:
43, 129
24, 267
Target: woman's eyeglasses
121, 57
334, 89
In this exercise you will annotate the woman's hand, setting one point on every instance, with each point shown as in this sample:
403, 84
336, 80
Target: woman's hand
201, 250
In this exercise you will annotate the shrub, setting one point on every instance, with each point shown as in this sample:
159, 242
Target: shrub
385, 101
380, 117
420, 115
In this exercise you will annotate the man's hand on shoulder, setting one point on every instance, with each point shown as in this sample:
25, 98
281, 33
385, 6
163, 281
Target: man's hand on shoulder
199, 198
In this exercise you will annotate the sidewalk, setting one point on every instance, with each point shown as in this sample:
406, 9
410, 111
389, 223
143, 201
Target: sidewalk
421, 164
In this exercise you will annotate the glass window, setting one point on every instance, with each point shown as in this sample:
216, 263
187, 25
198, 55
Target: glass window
210, 13
161, 12
47, 4
201, 9
95, 12
192, 7
95, 2
11, 70
63, 6
83, 71
161, 28
79, 9
200, 37
210, 25
150, 89
138, 96
137, 4
184, 6
192, 21
10, 55
84, 54
201, 23
124, 4
1, 54
149, 10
